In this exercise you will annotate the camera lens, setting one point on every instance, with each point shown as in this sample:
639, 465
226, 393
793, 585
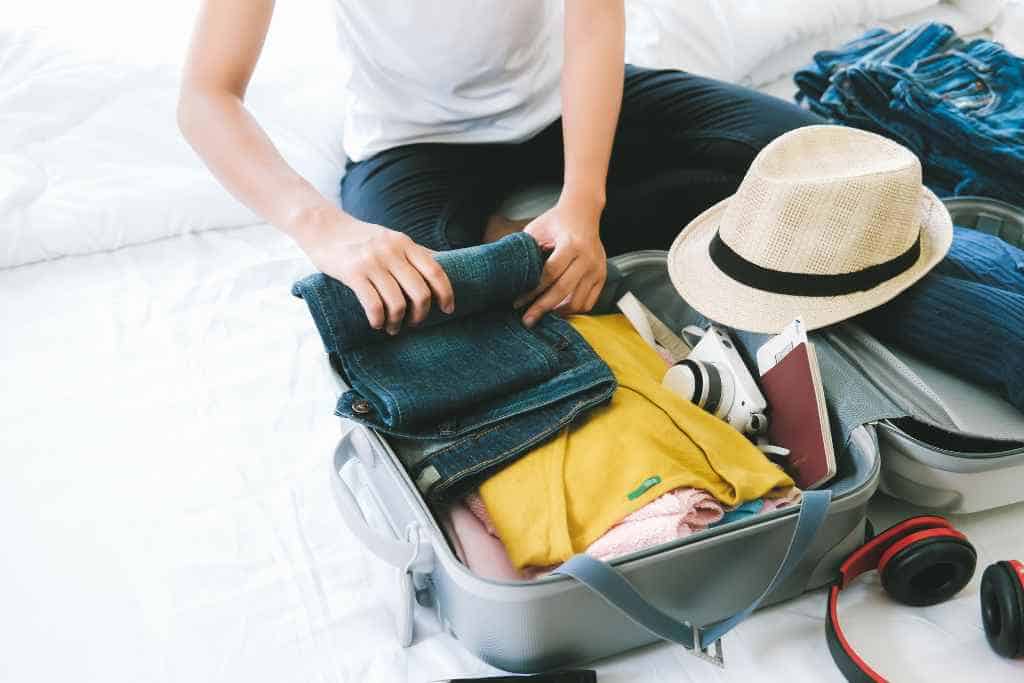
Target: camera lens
704, 384
687, 380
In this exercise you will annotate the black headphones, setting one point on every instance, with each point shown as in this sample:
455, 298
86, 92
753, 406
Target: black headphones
924, 561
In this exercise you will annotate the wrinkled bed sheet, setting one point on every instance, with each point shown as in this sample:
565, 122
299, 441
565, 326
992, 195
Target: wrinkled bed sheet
166, 422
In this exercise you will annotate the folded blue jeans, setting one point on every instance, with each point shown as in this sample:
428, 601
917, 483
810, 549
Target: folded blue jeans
469, 392
961, 112
876, 46
959, 106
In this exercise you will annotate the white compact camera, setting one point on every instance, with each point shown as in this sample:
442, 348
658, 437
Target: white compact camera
715, 378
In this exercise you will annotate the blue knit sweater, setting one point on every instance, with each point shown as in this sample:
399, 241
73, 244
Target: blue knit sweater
966, 316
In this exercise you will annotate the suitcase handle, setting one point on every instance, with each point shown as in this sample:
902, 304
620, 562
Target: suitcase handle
611, 585
398, 553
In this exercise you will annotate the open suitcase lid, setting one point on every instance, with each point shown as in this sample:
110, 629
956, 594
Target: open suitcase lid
975, 409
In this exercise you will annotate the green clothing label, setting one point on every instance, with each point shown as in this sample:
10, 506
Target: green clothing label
644, 486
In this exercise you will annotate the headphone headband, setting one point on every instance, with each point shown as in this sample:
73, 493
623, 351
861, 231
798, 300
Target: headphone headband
907, 547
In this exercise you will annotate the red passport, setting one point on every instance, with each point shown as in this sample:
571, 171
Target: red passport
799, 418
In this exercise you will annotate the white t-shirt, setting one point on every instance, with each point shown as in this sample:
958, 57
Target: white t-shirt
449, 71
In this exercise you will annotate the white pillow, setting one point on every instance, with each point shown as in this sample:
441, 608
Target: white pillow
730, 39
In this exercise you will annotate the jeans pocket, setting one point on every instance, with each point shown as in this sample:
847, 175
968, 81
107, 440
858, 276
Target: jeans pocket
957, 84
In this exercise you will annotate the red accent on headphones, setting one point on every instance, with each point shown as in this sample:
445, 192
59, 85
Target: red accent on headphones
922, 560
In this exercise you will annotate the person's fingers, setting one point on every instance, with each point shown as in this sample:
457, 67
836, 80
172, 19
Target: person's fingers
554, 295
576, 302
415, 288
371, 302
557, 264
393, 298
436, 278
546, 302
593, 296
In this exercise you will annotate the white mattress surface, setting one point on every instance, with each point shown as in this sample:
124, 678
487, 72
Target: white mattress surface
167, 419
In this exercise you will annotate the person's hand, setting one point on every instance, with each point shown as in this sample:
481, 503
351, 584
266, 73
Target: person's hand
575, 272
391, 275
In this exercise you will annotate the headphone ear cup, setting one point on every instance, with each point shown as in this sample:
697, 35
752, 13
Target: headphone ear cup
930, 570
1002, 609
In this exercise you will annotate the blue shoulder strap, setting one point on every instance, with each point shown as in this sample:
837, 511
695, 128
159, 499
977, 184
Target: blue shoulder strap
607, 582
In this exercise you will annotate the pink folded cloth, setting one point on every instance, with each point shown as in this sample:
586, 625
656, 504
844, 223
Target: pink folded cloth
478, 548
673, 515
476, 505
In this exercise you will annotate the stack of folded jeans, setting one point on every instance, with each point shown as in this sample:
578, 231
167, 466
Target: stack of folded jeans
465, 394
958, 105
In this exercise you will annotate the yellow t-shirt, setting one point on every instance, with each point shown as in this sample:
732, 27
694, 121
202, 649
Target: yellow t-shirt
646, 441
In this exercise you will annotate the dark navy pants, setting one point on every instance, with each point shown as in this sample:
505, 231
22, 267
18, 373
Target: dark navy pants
683, 143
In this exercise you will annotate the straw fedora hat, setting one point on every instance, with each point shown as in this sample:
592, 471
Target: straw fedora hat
829, 222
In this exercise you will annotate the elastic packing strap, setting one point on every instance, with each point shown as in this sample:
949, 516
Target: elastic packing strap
607, 582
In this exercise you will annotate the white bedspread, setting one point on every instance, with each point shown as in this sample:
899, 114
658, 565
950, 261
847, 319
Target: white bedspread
166, 419
166, 514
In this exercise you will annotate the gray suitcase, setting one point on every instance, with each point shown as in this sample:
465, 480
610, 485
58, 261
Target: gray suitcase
556, 621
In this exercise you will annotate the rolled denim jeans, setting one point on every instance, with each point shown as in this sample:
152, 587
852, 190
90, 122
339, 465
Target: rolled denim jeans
483, 278
465, 397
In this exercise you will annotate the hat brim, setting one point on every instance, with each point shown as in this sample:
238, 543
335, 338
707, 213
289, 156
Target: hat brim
728, 302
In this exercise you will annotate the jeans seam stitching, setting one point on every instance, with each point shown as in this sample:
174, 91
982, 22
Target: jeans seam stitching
381, 390
561, 424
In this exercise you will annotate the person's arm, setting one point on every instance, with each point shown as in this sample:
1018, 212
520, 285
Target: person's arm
592, 79
385, 268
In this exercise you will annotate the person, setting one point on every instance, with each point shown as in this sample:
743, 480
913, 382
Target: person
453, 105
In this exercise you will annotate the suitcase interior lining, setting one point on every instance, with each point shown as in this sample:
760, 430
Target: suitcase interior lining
646, 277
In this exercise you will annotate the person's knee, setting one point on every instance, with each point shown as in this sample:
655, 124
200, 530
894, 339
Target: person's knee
735, 149
775, 116
794, 117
